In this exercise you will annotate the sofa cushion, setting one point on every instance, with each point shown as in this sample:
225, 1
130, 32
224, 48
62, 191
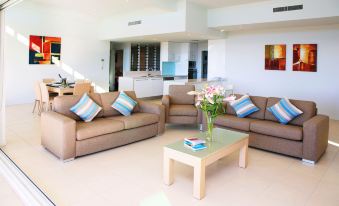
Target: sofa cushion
110, 97
308, 108
234, 122
183, 110
86, 108
258, 101
284, 111
124, 104
178, 94
243, 106
137, 119
99, 126
275, 129
62, 104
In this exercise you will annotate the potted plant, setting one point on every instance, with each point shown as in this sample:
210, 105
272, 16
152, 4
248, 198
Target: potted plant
210, 100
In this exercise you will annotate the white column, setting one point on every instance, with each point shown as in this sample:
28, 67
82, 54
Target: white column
2, 78
216, 58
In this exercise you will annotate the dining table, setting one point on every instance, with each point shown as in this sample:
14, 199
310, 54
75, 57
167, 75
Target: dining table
60, 90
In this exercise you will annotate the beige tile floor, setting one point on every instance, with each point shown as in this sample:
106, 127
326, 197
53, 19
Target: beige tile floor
132, 174
7, 196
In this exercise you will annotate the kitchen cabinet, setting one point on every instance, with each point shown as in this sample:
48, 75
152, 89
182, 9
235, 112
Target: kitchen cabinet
174, 50
193, 51
143, 86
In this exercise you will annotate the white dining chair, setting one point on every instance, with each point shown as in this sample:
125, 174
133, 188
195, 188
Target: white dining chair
37, 101
46, 99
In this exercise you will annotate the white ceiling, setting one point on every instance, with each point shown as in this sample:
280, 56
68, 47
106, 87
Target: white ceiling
104, 8
211, 4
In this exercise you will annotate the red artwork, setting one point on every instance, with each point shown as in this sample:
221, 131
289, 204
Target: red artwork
275, 57
305, 57
44, 50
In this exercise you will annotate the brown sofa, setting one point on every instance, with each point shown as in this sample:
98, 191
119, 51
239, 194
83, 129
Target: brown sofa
66, 136
180, 107
304, 137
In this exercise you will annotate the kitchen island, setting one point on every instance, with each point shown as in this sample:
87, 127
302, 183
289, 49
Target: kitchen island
157, 85
199, 83
144, 86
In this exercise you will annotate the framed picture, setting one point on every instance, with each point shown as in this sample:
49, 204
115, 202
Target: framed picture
275, 57
305, 57
44, 49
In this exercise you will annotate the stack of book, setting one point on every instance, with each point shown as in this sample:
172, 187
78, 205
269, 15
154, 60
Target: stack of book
195, 143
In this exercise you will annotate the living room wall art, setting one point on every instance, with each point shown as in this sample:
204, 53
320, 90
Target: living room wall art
305, 57
44, 49
275, 57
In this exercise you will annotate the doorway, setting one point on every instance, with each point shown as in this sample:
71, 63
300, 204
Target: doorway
204, 62
119, 59
116, 68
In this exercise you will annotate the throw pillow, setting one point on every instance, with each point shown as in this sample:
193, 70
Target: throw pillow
284, 111
124, 104
86, 108
243, 106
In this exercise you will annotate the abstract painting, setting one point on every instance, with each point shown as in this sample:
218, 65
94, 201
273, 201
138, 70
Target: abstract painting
44, 49
275, 57
305, 57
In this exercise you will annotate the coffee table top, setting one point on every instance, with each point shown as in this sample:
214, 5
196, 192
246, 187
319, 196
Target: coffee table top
222, 138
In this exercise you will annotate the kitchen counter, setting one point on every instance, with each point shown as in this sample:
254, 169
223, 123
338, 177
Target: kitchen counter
144, 86
199, 83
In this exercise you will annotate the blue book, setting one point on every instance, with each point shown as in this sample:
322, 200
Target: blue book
196, 147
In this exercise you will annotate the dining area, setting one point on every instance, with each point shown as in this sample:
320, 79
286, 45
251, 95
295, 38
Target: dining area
48, 88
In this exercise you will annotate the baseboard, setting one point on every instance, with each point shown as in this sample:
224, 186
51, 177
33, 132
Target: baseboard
29, 193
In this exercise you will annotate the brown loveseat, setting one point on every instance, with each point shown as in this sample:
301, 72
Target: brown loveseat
66, 136
304, 137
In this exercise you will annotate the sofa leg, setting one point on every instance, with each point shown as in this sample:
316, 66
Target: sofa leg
68, 160
308, 161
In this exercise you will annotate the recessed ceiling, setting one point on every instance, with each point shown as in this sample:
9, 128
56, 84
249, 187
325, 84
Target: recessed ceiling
104, 8
212, 4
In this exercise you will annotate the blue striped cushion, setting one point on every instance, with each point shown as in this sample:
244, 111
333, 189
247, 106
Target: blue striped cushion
86, 108
284, 111
124, 104
243, 106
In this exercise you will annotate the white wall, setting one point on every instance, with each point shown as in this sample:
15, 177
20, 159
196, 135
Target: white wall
216, 58
261, 12
245, 66
81, 50
116, 27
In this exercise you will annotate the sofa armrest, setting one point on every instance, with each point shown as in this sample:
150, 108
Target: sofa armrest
166, 102
152, 108
58, 134
315, 140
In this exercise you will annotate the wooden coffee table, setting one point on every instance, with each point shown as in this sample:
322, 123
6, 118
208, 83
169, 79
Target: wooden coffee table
224, 143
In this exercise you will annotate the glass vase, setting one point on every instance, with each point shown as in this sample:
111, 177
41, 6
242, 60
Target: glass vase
210, 124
